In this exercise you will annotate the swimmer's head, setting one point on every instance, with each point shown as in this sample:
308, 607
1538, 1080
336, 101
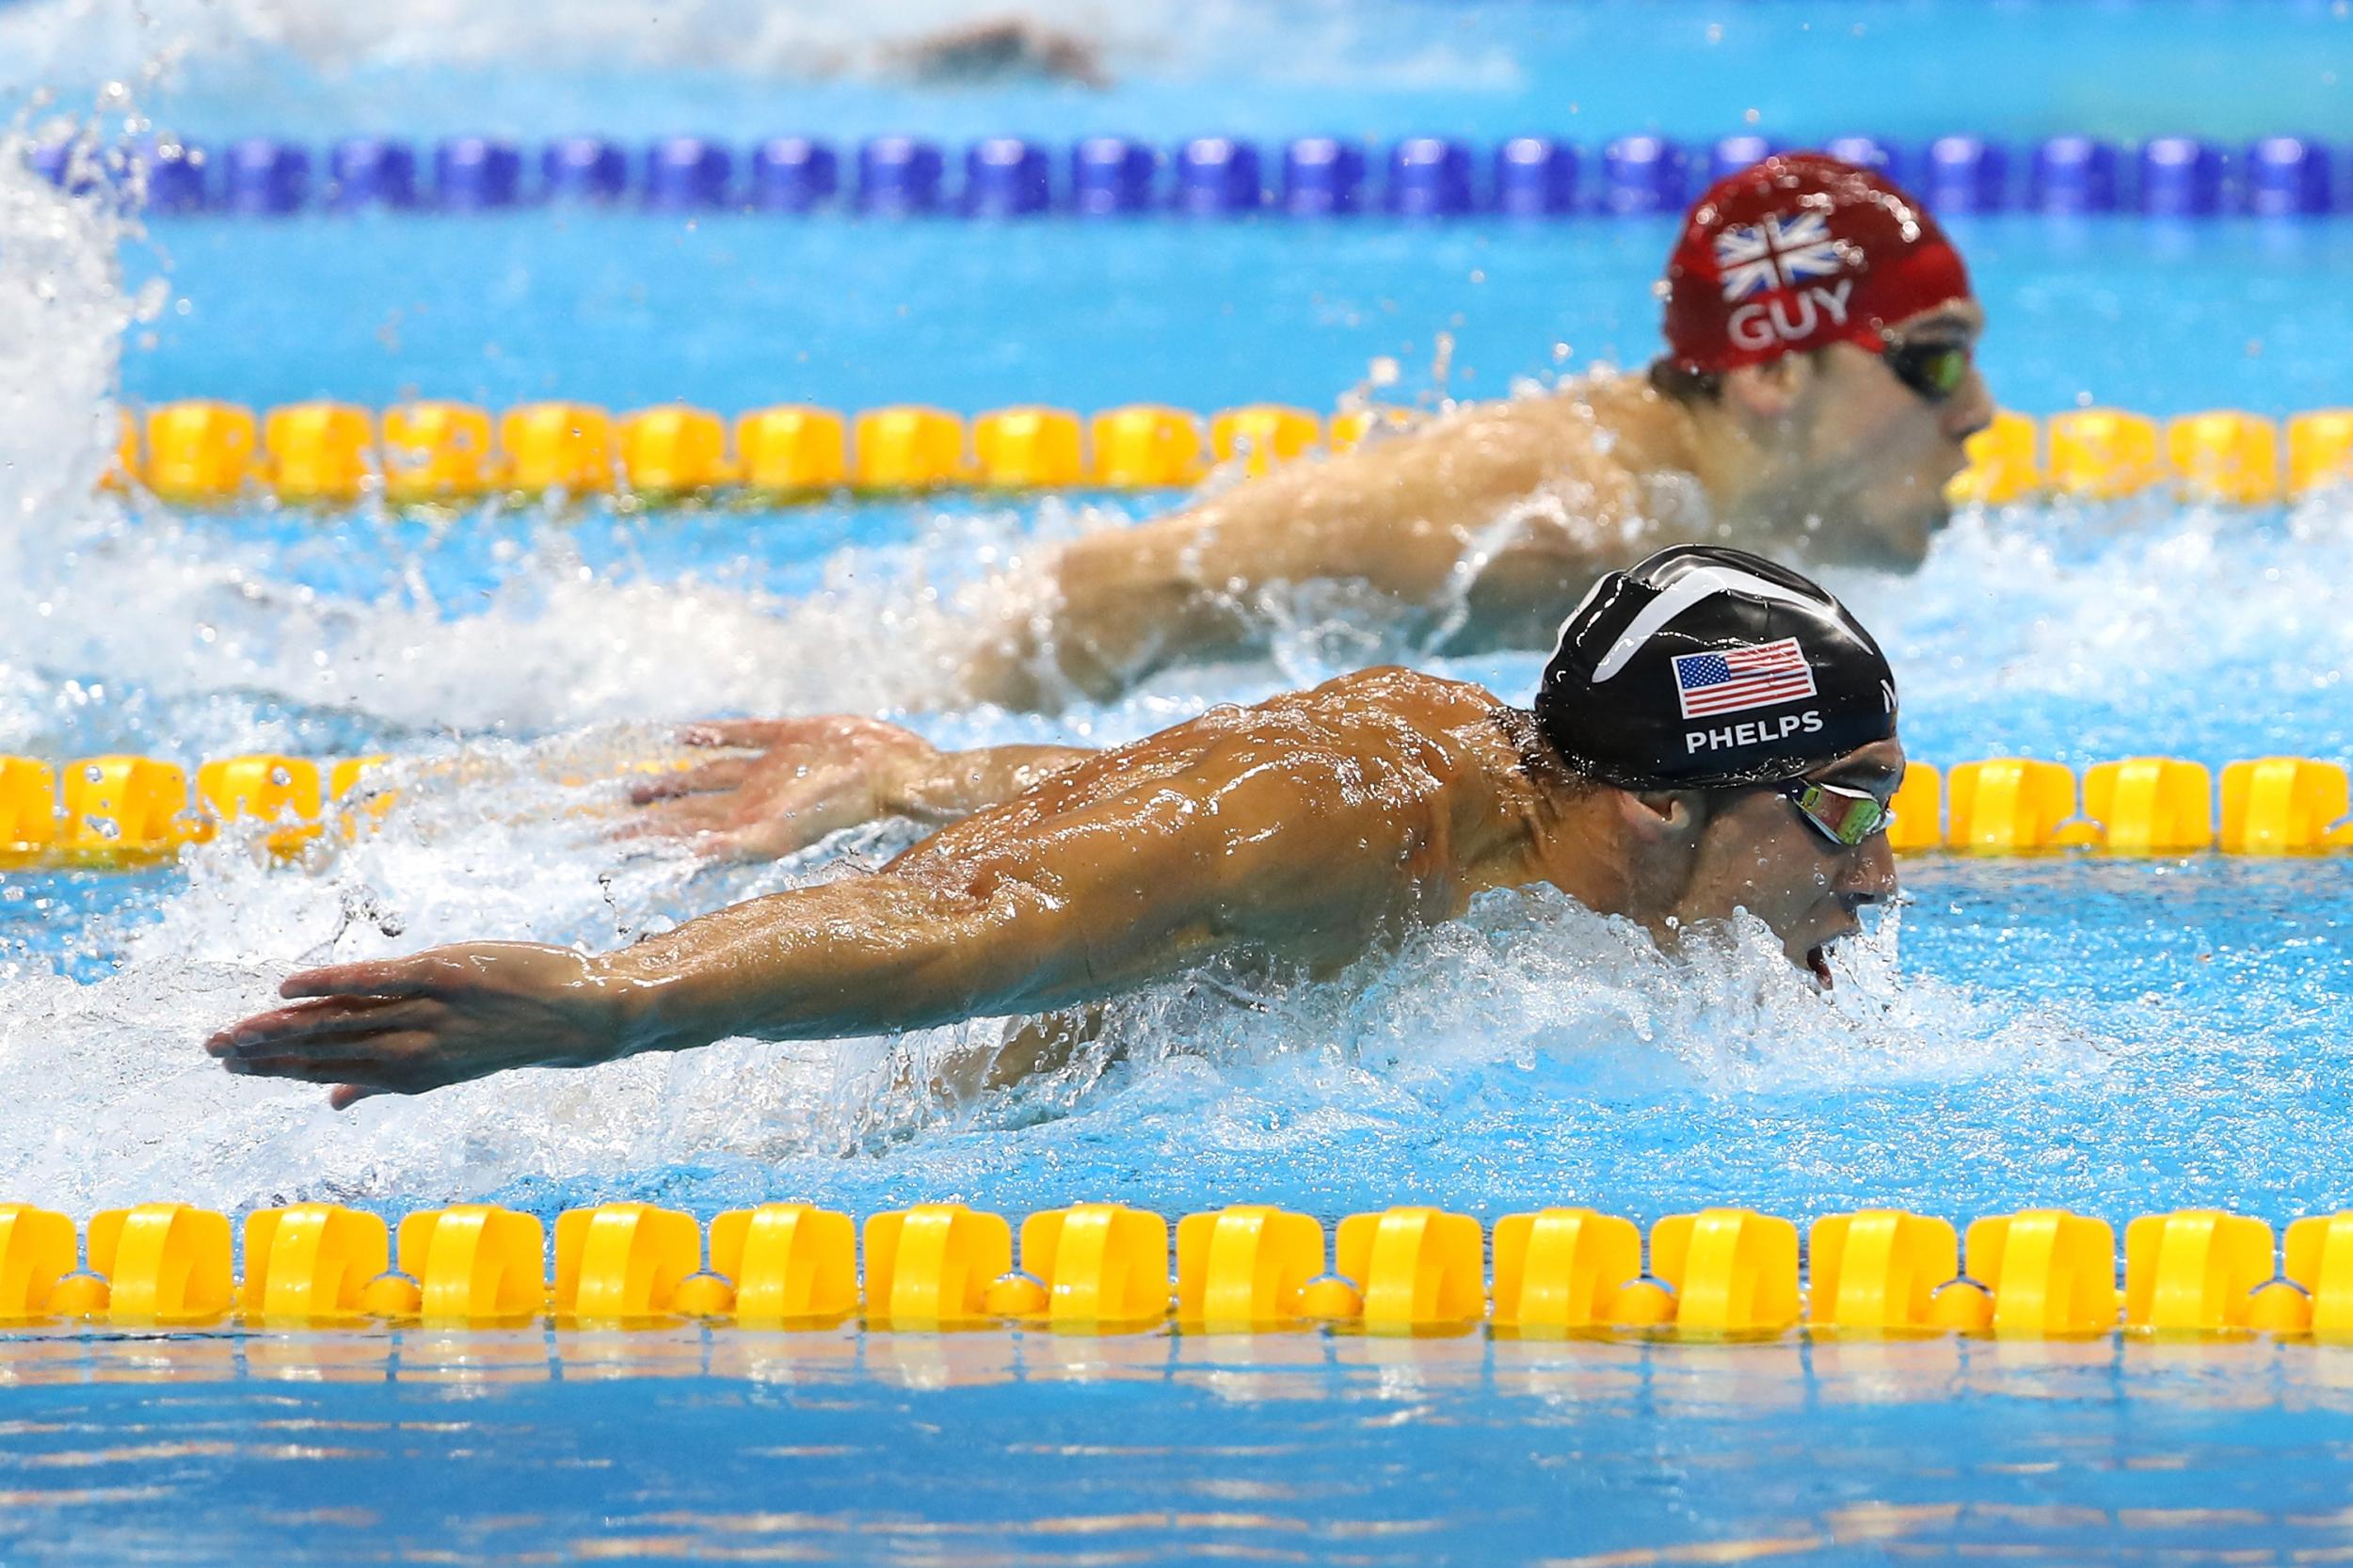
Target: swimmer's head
1797, 252
1744, 723
1704, 667
1822, 317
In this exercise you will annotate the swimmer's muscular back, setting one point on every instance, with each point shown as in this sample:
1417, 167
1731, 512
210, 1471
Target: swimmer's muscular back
1309, 825
1503, 511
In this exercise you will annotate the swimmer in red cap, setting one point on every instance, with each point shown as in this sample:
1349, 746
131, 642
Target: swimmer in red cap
1813, 402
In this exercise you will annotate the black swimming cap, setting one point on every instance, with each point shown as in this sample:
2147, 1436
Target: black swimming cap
1704, 667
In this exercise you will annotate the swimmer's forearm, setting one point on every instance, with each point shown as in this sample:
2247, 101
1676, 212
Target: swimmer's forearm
878, 955
862, 957
957, 785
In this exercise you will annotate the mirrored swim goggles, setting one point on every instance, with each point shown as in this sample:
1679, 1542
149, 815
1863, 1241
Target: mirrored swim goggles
1934, 368
1845, 817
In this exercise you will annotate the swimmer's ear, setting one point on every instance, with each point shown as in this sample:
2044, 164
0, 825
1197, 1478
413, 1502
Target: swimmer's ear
1665, 818
1771, 390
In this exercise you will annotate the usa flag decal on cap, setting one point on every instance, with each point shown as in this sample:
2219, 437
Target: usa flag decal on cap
1735, 680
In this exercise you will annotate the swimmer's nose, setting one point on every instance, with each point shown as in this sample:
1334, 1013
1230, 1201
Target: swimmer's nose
1872, 876
1971, 410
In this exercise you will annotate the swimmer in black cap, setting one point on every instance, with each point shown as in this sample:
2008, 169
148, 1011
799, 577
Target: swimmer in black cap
1715, 734
1772, 677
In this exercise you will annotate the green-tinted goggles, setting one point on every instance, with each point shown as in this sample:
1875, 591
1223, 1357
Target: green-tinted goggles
1933, 369
1845, 817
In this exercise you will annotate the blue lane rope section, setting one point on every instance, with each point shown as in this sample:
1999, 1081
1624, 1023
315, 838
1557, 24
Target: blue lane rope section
1208, 176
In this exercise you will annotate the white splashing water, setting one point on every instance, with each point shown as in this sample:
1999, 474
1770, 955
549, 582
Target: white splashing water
63, 310
2137, 628
568, 646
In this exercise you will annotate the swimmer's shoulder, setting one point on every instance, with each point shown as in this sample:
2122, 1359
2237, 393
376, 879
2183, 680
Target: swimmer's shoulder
1602, 422
1441, 757
1400, 687
1391, 708
1386, 708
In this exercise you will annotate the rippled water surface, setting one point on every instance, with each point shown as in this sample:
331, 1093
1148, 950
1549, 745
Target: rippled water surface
1038, 1449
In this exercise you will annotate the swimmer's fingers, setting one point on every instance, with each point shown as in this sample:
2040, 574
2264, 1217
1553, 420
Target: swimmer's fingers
398, 1064
739, 847
324, 1030
345, 1095
376, 977
716, 844
304, 1069
678, 819
717, 732
727, 772
459, 1011
324, 1020
750, 734
785, 822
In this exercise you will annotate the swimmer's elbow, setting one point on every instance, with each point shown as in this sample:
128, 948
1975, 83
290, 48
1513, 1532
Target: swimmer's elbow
967, 954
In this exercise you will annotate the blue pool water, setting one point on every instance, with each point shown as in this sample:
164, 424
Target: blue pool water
739, 310
1032, 1449
2114, 1036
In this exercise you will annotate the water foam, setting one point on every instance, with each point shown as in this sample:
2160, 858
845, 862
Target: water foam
63, 312
569, 645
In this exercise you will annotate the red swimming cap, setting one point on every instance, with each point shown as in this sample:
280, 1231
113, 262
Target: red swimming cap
1798, 251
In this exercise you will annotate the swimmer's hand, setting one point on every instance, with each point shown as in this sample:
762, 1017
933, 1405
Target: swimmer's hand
814, 776
402, 1026
806, 778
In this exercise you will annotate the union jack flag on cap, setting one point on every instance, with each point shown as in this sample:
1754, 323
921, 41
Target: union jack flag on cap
1756, 258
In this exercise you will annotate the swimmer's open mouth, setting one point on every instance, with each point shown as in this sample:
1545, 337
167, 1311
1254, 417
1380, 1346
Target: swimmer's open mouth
1818, 959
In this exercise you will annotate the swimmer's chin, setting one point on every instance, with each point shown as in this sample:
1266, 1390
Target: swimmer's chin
1903, 547
1817, 963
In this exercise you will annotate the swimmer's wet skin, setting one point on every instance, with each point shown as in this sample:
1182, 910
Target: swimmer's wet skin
1714, 733
814, 776
1815, 398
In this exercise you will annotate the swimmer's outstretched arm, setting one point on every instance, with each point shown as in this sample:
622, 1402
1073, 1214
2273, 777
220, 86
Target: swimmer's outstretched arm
1399, 513
1039, 909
